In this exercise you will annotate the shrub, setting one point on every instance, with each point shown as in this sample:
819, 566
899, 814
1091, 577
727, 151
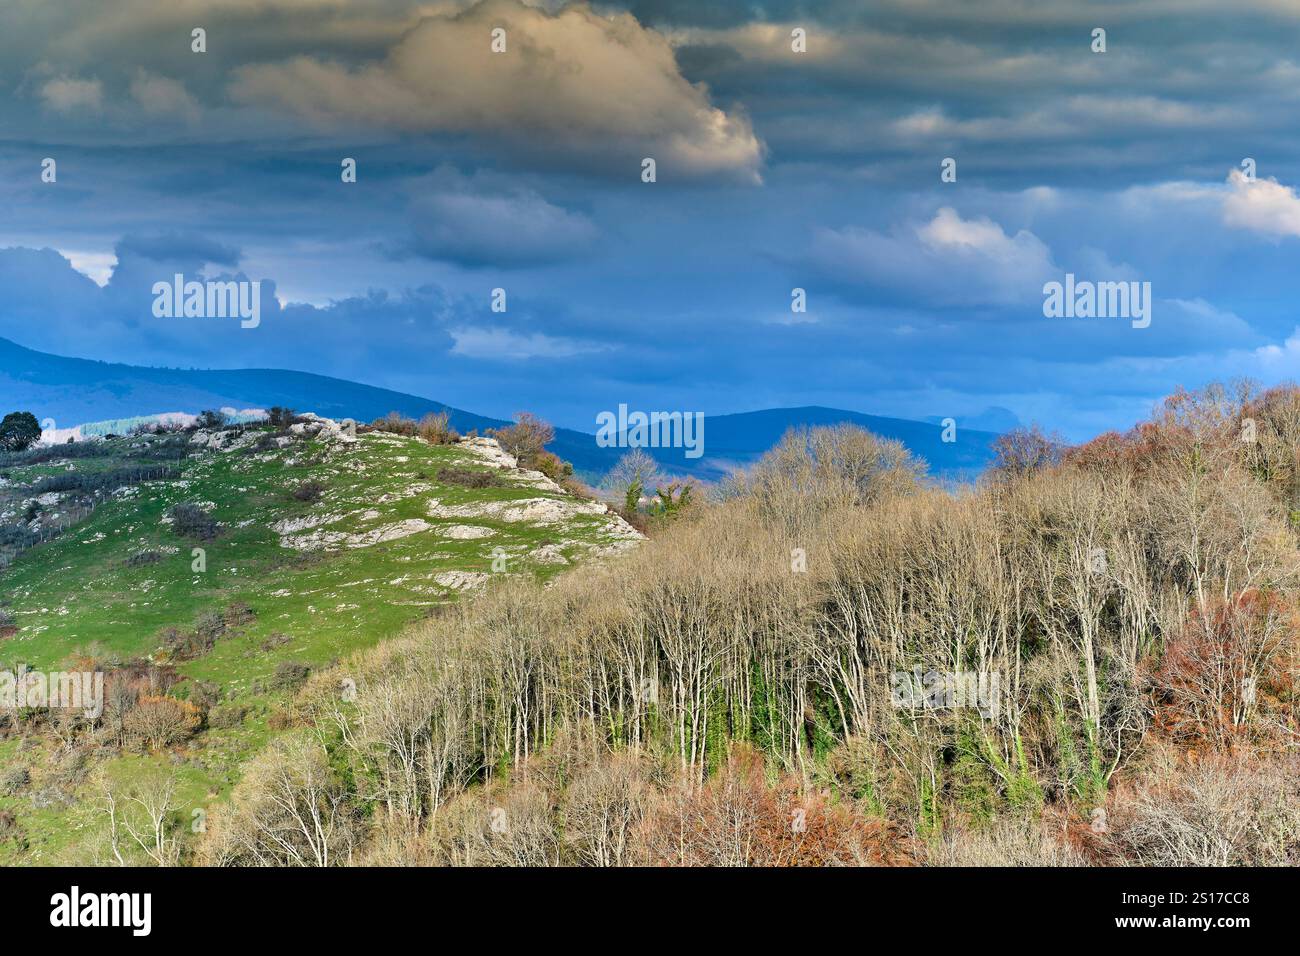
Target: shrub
157, 722
309, 491
13, 780
635, 472
1023, 451
434, 429
10, 830
209, 627
736, 819
290, 675
1221, 811
205, 695
237, 614
526, 438
142, 558
672, 497
395, 423
211, 419
191, 521
468, 477
69, 772
275, 640
225, 718
265, 442
551, 466
280, 417
184, 645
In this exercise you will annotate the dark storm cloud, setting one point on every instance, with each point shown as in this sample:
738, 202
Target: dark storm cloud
777, 170
178, 247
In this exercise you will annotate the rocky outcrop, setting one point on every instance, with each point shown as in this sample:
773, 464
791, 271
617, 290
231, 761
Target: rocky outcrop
575, 526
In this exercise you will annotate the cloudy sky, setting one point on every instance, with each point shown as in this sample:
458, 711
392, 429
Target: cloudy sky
775, 170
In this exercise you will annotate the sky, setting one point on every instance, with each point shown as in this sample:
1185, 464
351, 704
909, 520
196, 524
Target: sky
775, 170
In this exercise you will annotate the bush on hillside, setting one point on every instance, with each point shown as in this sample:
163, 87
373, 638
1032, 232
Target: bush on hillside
191, 521
468, 477
434, 429
290, 675
308, 491
158, 721
210, 419
13, 780
280, 418
525, 439
396, 423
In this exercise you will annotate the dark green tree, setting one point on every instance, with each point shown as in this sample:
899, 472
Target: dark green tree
19, 431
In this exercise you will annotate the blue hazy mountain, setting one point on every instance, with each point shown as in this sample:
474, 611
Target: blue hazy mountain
75, 391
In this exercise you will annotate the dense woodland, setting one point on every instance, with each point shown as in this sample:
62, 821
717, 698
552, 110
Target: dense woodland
726, 694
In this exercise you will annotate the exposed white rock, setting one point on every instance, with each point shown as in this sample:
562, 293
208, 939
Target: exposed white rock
303, 523
218, 440
535, 510
465, 531
549, 554
535, 479
410, 491
460, 580
612, 548
333, 540
489, 451
619, 528
324, 428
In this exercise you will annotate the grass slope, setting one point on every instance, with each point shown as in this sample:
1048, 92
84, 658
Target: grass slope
384, 544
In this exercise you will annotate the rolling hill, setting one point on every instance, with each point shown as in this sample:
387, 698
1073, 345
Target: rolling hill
227, 565
73, 391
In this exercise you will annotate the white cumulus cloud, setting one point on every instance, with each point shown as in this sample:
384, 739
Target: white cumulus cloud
573, 81
1261, 205
947, 261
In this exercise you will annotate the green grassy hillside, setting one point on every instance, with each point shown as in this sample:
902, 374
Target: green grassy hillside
323, 543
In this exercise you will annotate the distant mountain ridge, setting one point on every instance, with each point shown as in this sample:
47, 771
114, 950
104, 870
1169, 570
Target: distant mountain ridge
73, 391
